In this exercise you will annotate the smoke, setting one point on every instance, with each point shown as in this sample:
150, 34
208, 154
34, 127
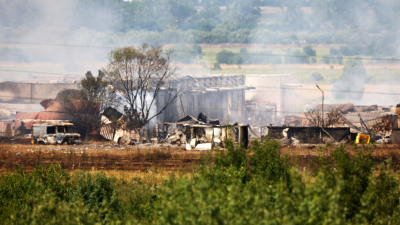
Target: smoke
71, 22
336, 29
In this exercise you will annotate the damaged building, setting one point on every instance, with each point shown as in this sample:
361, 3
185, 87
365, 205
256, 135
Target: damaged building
373, 120
220, 97
202, 134
355, 117
54, 112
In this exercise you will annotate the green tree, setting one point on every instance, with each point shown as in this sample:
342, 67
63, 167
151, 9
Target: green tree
298, 57
141, 75
228, 57
86, 104
209, 16
180, 10
338, 14
309, 50
293, 15
241, 15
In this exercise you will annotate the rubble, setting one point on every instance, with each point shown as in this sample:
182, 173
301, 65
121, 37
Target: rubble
197, 134
313, 135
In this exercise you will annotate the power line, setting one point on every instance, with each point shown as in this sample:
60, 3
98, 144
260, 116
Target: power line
59, 45
381, 93
210, 53
309, 89
23, 71
187, 92
219, 109
293, 88
268, 87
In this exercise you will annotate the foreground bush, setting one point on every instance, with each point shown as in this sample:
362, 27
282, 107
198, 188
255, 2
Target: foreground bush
239, 186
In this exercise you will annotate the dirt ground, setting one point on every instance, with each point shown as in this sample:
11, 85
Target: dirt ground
128, 161
98, 156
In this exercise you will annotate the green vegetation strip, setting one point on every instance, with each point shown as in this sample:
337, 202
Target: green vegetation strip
254, 186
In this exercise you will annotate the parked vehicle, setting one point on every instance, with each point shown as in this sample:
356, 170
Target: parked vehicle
55, 133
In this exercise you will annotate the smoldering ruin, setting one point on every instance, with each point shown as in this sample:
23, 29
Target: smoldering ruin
209, 110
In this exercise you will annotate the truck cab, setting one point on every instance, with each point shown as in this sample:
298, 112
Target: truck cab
55, 133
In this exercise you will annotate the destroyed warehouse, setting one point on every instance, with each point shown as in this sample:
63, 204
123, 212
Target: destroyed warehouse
219, 97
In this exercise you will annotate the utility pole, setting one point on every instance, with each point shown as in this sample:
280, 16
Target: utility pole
322, 105
182, 105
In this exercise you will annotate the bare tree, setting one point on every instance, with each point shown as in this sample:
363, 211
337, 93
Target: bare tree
314, 117
384, 125
142, 76
333, 118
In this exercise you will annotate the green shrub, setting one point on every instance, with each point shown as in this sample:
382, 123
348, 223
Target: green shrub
309, 51
316, 77
197, 48
217, 66
96, 192
228, 57
257, 185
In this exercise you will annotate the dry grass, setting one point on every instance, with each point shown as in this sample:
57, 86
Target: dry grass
305, 154
151, 164
97, 157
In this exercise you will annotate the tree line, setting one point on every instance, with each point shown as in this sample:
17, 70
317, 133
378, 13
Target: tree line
206, 15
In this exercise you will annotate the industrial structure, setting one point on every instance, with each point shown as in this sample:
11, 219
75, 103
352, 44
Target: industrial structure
264, 102
218, 96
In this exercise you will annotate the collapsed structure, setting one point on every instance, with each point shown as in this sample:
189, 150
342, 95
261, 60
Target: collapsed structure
202, 134
225, 99
222, 97
372, 120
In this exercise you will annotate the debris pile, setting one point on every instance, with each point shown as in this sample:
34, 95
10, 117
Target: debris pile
203, 134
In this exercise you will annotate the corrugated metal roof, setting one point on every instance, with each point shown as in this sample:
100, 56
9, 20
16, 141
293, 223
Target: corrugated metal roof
340, 107
366, 116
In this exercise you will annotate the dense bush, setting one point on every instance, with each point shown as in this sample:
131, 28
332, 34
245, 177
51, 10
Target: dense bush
239, 186
298, 57
228, 57
309, 50
316, 77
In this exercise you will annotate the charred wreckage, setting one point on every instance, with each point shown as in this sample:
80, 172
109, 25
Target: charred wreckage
223, 98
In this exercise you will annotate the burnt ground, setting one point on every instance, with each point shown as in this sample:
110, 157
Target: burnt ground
108, 156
